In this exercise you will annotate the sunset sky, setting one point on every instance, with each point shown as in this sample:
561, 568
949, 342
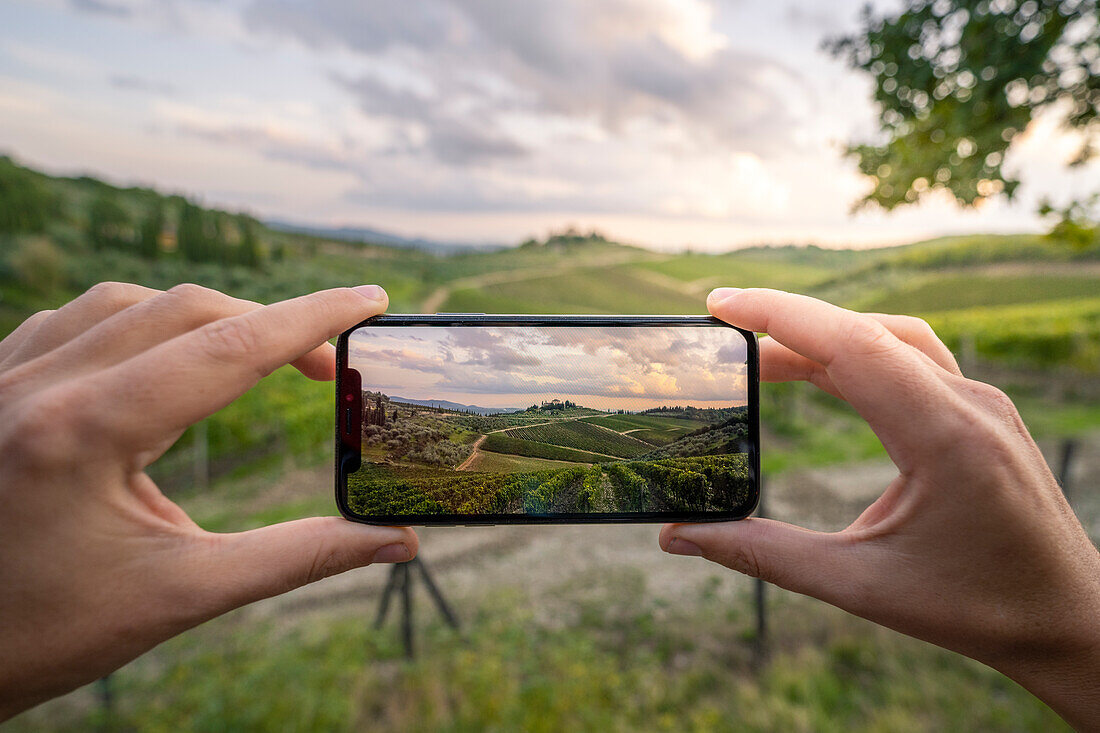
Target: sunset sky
602, 368
666, 123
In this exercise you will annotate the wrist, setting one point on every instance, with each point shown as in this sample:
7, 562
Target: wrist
1063, 672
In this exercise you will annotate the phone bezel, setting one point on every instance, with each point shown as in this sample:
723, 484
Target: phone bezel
344, 452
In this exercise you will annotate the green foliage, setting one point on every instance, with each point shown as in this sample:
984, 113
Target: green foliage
504, 443
1075, 224
596, 290
37, 265
1041, 336
108, 223
614, 658
547, 497
957, 80
632, 421
152, 228
946, 292
583, 436
628, 487
26, 204
670, 484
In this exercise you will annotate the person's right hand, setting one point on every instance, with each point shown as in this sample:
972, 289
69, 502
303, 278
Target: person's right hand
97, 566
973, 547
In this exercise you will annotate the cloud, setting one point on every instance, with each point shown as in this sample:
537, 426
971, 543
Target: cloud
467, 68
491, 348
413, 359
102, 7
451, 138
133, 83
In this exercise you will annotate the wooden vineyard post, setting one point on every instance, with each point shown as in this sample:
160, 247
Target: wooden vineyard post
1065, 464
760, 599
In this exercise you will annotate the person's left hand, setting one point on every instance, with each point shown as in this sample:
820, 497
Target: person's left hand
96, 565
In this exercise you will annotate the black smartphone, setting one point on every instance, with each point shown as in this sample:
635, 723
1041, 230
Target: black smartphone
500, 419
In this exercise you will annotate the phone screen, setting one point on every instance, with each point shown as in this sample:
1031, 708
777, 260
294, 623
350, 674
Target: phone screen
576, 421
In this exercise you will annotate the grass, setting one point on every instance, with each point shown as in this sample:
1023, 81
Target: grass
739, 270
600, 290
501, 463
659, 436
957, 291
616, 658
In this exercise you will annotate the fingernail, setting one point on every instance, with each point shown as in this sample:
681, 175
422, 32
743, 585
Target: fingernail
682, 547
371, 292
391, 553
719, 294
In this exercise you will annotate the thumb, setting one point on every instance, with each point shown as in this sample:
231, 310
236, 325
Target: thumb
260, 563
798, 559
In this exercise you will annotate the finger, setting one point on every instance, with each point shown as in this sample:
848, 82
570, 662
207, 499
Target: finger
260, 563
153, 321
817, 564
97, 304
780, 364
917, 333
21, 333
194, 375
897, 390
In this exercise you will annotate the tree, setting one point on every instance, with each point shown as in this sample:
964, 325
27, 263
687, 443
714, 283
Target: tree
190, 235
25, 203
248, 249
957, 81
151, 228
108, 222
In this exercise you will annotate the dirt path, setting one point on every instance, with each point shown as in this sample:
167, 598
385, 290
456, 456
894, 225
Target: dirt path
465, 465
470, 561
470, 459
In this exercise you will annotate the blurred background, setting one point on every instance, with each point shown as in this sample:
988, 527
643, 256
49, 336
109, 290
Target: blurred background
619, 156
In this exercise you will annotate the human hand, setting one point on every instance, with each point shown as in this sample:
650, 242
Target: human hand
973, 547
96, 565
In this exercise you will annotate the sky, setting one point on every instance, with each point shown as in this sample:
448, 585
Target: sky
673, 124
603, 368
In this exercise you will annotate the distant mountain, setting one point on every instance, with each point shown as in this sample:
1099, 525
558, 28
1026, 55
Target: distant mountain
444, 404
376, 236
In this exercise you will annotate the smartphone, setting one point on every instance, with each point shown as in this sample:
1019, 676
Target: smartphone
503, 419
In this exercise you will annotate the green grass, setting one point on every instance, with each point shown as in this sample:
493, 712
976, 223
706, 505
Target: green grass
1037, 335
659, 437
602, 290
615, 659
967, 290
583, 436
501, 463
1045, 419
739, 270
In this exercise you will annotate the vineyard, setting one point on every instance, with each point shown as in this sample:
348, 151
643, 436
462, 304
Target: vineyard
432, 461
707, 483
504, 443
585, 436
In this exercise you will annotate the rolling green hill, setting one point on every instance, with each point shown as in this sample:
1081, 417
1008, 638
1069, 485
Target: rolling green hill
1021, 301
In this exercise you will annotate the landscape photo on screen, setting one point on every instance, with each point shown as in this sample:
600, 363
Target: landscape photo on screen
462, 420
